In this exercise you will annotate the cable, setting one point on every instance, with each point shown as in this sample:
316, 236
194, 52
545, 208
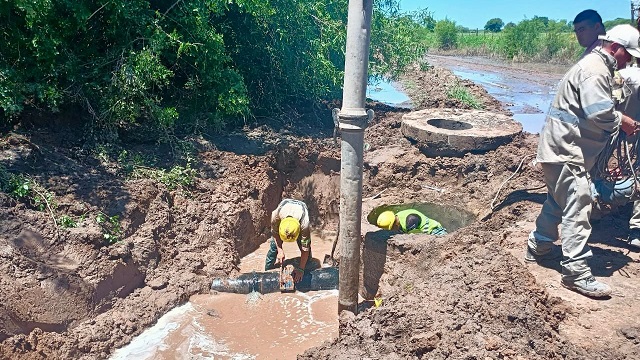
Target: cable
509, 178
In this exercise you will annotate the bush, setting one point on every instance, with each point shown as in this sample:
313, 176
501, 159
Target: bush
446, 34
139, 64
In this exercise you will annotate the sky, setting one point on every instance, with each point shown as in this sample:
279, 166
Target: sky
475, 13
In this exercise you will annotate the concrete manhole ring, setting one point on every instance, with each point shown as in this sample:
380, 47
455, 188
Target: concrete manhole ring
454, 132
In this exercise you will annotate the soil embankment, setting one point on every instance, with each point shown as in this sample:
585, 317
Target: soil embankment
68, 294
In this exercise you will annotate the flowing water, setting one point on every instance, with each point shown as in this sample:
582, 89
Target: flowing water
237, 326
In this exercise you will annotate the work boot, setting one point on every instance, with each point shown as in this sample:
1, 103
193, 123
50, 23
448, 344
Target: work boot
588, 286
634, 238
539, 250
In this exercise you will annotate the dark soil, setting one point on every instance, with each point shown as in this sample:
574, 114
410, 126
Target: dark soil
69, 294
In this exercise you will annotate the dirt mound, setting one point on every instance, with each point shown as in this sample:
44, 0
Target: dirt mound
69, 293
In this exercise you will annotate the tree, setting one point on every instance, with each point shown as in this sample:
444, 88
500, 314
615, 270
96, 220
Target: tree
494, 25
611, 23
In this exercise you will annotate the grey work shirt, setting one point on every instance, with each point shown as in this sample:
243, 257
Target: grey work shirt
630, 104
582, 117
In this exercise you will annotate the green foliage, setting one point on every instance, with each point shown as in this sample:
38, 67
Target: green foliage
26, 189
494, 25
461, 93
618, 21
397, 42
110, 225
140, 66
523, 38
66, 221
446, 34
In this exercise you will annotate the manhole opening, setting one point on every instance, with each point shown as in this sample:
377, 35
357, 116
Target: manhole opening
449, 124
451, 217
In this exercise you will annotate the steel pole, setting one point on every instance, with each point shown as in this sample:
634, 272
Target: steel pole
353, 119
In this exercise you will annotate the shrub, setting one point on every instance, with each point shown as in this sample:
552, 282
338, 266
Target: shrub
446, 34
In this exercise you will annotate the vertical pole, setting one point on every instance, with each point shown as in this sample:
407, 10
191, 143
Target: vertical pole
353, 119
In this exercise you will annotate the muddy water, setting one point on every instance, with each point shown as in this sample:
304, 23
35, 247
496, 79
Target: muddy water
236, 326
525, 89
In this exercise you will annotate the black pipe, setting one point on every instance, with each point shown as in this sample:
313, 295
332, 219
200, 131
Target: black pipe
269, 282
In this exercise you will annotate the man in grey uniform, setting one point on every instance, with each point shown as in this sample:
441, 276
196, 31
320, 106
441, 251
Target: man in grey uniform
579, 123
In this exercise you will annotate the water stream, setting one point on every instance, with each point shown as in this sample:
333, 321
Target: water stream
238, 326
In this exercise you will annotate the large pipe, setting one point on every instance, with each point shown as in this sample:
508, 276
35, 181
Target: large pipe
269, 282
353, 120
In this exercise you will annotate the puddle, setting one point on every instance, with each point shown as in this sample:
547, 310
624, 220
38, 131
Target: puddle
526, 94
237, 326
389, 93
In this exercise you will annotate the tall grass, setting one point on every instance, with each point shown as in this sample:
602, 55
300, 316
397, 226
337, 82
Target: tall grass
518, 44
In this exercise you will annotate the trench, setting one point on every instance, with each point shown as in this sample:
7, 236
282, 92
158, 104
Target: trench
282, 325
245, 326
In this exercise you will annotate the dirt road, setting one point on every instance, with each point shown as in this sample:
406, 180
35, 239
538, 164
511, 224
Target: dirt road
68, 294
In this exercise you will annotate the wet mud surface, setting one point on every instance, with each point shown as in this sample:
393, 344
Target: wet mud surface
466, 295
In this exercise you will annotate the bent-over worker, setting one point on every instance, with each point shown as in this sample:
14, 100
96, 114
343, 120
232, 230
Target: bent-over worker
290, 222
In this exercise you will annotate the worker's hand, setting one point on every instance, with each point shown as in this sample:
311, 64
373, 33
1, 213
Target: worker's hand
628, 125
281, 257
298, 273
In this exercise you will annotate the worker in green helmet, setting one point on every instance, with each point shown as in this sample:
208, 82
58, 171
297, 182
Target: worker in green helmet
409, 221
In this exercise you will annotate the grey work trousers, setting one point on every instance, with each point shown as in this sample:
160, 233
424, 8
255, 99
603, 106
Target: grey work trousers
568, 204
634, 221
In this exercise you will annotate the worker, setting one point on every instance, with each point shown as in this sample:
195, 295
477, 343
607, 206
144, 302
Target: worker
289, 223
630, 104
588, 27
409, 221
578, 126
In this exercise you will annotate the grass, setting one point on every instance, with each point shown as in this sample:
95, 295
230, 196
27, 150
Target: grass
462, 94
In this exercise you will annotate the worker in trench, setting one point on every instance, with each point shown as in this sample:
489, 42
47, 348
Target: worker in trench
290, 222
409, 221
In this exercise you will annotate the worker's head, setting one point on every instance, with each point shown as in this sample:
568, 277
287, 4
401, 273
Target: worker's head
289, 229
623, 43
588, 26
413, 222
386, 220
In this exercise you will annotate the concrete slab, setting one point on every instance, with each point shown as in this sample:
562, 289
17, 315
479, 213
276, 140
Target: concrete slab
454, 132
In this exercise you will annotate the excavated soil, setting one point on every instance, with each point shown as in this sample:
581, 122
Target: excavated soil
67, 294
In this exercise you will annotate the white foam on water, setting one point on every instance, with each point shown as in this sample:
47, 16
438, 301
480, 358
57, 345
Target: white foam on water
145, 345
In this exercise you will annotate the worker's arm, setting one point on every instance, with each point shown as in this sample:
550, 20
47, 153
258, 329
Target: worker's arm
628, 125
305, 250
275, 223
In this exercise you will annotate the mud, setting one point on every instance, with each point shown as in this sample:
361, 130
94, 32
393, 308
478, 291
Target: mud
67, 294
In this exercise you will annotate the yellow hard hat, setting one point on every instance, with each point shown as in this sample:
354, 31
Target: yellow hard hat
289, 229
386, 220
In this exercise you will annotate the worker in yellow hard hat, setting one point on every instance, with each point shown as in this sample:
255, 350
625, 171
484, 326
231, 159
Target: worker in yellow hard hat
290, 222
409, 221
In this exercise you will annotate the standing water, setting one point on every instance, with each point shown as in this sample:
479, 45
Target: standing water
237, 326
526, 90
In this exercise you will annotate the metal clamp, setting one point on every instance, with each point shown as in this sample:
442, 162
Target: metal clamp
355, 121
